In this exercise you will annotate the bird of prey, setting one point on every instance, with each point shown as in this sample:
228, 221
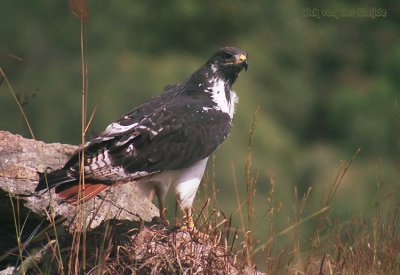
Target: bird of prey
165, 141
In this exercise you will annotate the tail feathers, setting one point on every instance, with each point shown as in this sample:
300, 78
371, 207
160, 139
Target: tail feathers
53, 179
75, 193
68, 188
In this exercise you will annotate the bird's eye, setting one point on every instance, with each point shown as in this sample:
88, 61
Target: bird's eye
226, 56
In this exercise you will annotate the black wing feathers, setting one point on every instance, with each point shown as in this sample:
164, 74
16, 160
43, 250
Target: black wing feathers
173, 137
53, 179
162, 134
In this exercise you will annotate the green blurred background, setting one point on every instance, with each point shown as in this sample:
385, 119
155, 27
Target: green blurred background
325, 86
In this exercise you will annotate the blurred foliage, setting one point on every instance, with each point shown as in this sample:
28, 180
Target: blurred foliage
326, 87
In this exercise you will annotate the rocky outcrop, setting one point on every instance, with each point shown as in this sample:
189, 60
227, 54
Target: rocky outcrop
20, 161
110, 234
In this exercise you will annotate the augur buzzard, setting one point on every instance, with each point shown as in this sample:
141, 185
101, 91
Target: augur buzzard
167, 140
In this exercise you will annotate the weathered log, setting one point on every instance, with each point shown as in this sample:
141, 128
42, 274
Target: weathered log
20, 161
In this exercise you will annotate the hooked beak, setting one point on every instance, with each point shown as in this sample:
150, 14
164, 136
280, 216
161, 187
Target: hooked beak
242, 60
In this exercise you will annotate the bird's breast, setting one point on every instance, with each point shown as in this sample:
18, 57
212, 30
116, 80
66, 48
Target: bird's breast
223, 97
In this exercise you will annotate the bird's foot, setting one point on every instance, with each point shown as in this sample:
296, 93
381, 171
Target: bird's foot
187, 221
187, 226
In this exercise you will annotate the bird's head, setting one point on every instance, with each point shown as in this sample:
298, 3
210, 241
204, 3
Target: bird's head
227, 62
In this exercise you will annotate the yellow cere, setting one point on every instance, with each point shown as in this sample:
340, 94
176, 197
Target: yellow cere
242, 57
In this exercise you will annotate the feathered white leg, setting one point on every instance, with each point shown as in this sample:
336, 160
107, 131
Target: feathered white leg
186, 185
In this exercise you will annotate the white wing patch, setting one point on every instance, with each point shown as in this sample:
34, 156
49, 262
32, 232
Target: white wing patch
100, 161
152, 132
116, 128
100, 166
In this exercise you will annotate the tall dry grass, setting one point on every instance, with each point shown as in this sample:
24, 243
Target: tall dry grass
356, 246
